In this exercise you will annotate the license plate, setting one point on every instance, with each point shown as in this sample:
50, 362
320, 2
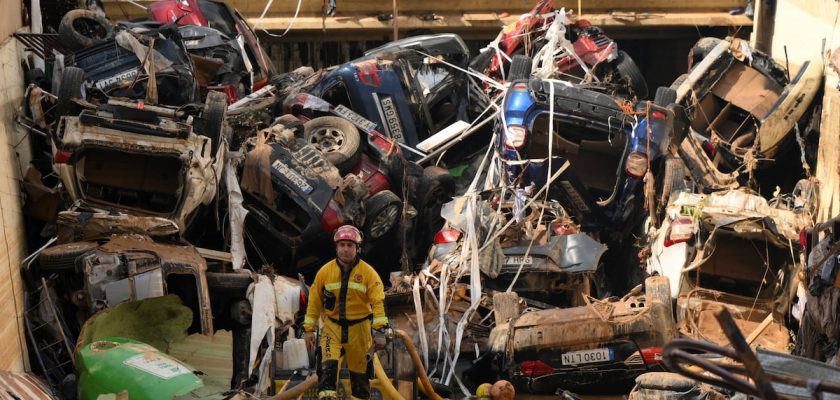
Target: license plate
392, 119
358, 120
587, 356
292, 176
517, 260
115, 80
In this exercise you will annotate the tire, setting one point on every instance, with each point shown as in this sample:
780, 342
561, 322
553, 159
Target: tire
290, 122
215, 112
672, 182
228, 282
84, 28
63, 257
679, 81
520, 68
665, 96
72, 79
382, 211
337, 138
436, 188
629, 72
701, 49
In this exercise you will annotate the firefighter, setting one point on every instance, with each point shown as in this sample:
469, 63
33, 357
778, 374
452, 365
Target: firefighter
349, 294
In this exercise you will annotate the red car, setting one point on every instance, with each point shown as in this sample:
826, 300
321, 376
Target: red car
592, 46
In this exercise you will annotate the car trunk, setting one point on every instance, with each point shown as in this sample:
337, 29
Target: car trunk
742, 273
146, 182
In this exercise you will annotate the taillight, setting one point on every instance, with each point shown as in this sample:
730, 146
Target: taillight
658, 115
535, 368
302, 299
520, 87
62, 156
680, 231
636, 165
447, 235
652, 355
561, 228
710, 148
515, 136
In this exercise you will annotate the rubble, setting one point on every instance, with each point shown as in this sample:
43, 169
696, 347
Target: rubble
547, 227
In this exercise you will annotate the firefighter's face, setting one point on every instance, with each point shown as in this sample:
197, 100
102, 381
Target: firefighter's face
346, 251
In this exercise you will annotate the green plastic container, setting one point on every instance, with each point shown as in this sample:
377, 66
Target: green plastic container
115, 364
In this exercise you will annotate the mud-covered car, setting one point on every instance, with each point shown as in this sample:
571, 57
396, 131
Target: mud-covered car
742, 107
140, 159
101, 273
729, 249
556, 349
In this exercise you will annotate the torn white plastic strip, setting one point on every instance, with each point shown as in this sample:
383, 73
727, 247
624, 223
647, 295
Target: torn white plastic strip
261, 295
483, 77
27, 262
288, 28
236, 216
421, 328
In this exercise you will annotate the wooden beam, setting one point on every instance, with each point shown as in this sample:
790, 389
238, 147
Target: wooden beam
495, 22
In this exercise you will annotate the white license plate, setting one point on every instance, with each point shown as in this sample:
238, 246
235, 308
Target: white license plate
292, 176
517, 260
115, 80
587, 356
358, 120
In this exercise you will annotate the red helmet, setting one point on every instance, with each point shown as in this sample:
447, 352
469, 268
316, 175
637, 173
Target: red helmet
348, 232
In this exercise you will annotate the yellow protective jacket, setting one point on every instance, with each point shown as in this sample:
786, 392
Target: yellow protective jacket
362, 291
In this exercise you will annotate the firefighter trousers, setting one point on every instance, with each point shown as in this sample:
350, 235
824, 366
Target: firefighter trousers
354, 351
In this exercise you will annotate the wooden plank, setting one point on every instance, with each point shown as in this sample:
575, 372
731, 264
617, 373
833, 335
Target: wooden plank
357, 8
828, 154
760, 328
215, 254
483, 21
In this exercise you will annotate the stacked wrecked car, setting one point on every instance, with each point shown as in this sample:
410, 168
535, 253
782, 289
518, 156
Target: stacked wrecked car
540, 219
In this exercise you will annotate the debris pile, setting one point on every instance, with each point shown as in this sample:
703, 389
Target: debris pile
543, 223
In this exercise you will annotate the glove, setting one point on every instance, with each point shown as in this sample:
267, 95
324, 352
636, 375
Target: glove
380, 337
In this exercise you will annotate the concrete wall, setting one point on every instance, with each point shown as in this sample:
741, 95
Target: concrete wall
12, 237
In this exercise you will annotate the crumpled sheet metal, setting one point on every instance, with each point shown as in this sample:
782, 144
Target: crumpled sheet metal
129, 42
815, 371
79, 225
256, 173
572, 253
725, 207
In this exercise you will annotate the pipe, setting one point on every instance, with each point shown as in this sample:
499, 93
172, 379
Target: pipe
298, 390
385, 386
426, 385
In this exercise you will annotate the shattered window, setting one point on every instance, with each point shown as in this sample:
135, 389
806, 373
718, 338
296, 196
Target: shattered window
337, 94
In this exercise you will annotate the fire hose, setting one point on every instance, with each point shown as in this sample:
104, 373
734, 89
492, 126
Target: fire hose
386, 386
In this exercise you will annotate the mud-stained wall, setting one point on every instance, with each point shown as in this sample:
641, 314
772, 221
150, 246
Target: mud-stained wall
801, 26
12, 237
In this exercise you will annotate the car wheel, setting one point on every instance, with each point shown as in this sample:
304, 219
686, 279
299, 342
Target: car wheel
701, 49
63, 257
382, 211
84, 28
520, 68
70, 88
437, 187
337, 138
215, 111
290, 122
665, 96
629, 72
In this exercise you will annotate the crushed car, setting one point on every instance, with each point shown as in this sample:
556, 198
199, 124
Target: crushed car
729, 249
582, 47
556, 349
141, 159
601, 157
743, 109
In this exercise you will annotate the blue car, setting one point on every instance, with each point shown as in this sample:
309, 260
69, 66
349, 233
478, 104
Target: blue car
602, 148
